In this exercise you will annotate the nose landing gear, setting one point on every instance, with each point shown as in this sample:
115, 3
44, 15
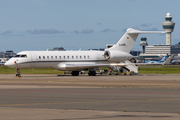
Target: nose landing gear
18, 73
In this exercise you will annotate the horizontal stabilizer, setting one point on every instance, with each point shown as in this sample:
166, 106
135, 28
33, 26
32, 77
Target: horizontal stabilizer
133, 31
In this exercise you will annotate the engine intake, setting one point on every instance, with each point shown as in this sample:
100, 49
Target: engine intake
107, 55
116, 56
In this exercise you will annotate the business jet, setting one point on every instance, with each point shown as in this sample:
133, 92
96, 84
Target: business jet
76, 61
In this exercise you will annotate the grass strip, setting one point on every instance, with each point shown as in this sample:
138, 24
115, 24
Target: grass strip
153, 69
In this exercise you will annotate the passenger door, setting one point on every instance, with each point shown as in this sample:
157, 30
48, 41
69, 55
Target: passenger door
33, 59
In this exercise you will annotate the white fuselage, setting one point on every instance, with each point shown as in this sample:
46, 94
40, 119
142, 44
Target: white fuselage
59, 59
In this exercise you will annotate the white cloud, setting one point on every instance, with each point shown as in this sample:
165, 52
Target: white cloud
108, 30
86, 31
45, 31
6, 32
151, 29
76, 32
144, 25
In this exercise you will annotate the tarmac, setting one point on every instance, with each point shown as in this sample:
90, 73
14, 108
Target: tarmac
65, 97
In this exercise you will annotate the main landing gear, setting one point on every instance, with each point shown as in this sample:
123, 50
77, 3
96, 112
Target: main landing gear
18, 73
75, 73
92, 73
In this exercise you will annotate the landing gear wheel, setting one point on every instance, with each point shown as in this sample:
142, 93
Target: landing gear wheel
75, 73
110, 73
18, 75
131, 73
92, 73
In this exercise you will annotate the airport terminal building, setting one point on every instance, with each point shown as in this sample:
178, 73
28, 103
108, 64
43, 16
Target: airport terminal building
155, 51
4, 56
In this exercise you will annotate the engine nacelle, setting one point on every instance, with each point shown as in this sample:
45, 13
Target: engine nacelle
116, 56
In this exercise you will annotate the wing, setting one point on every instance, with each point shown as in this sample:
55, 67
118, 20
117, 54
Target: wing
91, 66
87, 66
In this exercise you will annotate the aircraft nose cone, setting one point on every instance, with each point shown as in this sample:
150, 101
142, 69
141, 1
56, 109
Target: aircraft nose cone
10, 64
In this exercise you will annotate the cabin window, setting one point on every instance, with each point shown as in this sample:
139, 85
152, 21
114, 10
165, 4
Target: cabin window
72, 57
80, 57
47, 57
84, 57
51, 57
59, 57
64, 57
39, 57
76, 57
55, 57
67, 57
88, 57
43, 57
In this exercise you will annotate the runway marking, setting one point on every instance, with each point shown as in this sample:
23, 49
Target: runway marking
76, 91
116, 101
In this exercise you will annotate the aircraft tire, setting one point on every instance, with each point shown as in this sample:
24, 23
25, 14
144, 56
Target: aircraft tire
92, 73
18, 75
131, 73
75, 73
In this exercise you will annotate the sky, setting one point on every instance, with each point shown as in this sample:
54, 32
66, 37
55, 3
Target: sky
82, 24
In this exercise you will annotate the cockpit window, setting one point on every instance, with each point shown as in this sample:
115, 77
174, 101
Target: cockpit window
17, 56
24, 56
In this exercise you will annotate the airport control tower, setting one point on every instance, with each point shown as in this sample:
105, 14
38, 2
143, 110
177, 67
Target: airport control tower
168, 27
143, 43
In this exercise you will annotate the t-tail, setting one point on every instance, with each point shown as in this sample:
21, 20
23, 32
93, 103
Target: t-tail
126, 42
163, 59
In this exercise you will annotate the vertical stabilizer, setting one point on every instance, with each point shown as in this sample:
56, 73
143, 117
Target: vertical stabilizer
163, 59
168, 61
